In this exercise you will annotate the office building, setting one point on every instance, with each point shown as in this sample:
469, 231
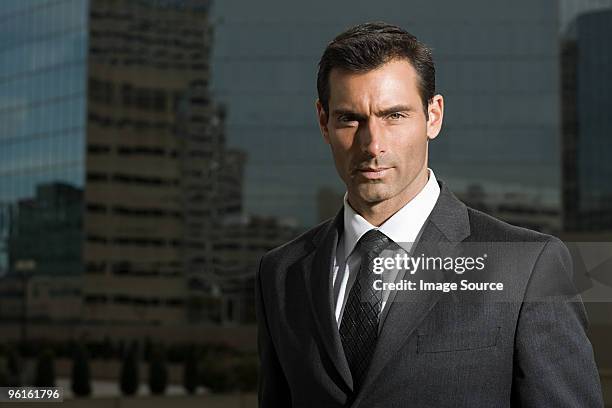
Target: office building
115, 175
586, 99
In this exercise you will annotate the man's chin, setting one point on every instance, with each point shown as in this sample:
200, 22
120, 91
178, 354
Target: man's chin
373, 193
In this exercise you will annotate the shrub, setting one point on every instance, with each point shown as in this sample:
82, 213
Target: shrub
81, 379
190, 372
216, 373
129, 377
45, 369
246, 369
158, 373
13, 367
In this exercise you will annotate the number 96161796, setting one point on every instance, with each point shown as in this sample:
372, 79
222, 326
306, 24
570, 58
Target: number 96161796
31, 394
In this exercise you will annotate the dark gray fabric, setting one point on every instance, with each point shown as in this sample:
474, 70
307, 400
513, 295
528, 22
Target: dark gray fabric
434, 349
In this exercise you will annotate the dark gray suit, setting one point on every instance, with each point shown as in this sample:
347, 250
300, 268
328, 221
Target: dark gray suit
435, 349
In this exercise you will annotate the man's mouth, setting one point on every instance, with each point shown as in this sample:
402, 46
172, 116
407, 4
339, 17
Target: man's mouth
373, 173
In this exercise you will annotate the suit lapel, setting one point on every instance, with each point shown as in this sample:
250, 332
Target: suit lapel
318, 272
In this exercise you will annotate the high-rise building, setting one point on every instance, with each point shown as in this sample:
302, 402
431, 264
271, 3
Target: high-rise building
587, 98
153, 135
43, 102
114, 171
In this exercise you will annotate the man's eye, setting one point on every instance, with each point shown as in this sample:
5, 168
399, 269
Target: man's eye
346, 119
395, 116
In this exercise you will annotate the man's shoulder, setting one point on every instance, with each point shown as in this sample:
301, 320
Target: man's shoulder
486, 228
545, 253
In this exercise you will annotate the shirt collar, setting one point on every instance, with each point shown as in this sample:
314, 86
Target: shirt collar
403, 227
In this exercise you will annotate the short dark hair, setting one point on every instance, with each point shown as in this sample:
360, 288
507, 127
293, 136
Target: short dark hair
367, 46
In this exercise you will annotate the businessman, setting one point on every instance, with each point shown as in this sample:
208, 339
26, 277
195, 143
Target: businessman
330, 334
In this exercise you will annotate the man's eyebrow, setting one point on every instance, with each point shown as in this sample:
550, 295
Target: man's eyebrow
384, 112
394, 109
351, 114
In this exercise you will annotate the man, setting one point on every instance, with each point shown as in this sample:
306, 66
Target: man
329, 336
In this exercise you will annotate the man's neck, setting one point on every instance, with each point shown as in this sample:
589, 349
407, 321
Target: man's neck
379, 212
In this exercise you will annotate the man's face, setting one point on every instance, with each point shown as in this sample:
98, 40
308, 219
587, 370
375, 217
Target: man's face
378, 132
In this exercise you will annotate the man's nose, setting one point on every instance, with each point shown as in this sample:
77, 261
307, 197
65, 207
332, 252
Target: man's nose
371, 138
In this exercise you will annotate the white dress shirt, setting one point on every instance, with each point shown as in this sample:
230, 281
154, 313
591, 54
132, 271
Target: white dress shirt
403, 228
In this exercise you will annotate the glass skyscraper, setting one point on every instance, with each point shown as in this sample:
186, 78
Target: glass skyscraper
43, 77
587, 90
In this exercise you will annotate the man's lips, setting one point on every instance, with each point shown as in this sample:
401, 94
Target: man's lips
373, 173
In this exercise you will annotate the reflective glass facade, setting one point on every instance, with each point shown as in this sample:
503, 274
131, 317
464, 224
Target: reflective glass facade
151, 151
496, 65
120, 202
587, 66
43, 49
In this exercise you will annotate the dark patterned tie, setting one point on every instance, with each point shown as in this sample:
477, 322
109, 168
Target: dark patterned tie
359, 325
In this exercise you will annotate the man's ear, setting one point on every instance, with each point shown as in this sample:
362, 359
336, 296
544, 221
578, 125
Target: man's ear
435, 111
323, 120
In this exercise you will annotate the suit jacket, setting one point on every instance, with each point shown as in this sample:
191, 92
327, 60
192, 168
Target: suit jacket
435, 349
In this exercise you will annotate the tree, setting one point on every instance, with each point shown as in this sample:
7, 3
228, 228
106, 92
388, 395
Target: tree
13, 365
129, 378
246, 369
81, 379
190, 372
45, 369
4, 372
216, 373
158, 373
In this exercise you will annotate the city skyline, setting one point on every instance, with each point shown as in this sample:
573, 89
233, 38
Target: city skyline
501, 92
121, 202
151, 151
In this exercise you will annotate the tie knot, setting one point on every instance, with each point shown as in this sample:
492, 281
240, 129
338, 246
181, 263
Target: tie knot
373, 241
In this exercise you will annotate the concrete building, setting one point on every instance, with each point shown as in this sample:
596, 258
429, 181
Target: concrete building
522, 207
150, 125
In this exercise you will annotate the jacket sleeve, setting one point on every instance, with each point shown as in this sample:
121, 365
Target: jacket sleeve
553, 357
273, 388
